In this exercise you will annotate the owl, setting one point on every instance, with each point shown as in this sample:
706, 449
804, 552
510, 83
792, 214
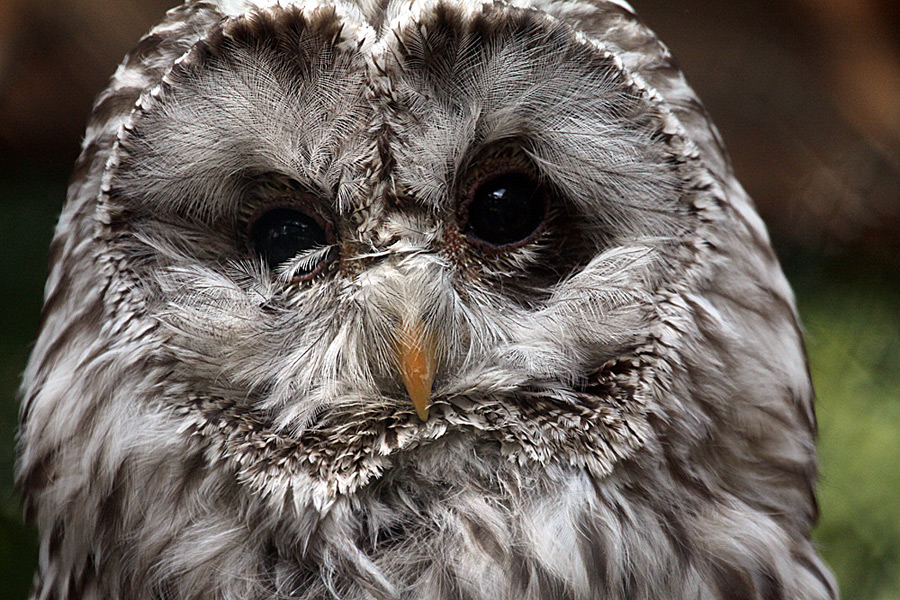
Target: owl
414, 299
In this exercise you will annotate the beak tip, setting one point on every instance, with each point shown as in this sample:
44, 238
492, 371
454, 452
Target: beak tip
421, 400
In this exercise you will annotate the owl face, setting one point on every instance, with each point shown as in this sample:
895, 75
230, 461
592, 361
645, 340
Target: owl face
431, 299
398, 227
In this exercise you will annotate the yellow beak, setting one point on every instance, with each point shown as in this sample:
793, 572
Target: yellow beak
416, 363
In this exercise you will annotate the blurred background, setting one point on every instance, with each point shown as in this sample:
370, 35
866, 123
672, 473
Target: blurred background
806, 94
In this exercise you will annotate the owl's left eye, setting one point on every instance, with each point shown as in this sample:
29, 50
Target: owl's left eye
280, 234
505, 211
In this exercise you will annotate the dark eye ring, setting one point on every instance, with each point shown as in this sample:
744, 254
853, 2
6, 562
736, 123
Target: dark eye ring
504, 210
279, 233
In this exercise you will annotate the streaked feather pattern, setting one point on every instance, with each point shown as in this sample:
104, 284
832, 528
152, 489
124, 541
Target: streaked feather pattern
621, 408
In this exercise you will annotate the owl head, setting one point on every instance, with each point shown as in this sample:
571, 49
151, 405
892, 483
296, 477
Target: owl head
420, 299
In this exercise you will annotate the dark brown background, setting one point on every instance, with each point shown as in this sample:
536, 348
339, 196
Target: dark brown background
805, 92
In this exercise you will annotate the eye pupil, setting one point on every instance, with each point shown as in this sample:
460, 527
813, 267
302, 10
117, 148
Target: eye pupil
506, 209
282, 233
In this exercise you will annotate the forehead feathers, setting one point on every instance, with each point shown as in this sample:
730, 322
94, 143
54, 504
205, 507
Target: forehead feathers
338, 98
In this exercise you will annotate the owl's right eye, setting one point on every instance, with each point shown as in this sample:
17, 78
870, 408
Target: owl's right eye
280, 234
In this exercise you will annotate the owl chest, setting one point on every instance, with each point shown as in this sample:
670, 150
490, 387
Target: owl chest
472, 529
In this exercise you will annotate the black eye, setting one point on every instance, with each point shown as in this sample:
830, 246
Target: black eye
280, 234
505, 210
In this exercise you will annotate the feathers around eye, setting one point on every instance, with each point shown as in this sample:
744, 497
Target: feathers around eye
269, 235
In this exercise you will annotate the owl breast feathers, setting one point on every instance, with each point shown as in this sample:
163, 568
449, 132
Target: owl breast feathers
426, 299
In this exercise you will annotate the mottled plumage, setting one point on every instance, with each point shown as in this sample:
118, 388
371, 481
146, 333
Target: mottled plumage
619, 406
